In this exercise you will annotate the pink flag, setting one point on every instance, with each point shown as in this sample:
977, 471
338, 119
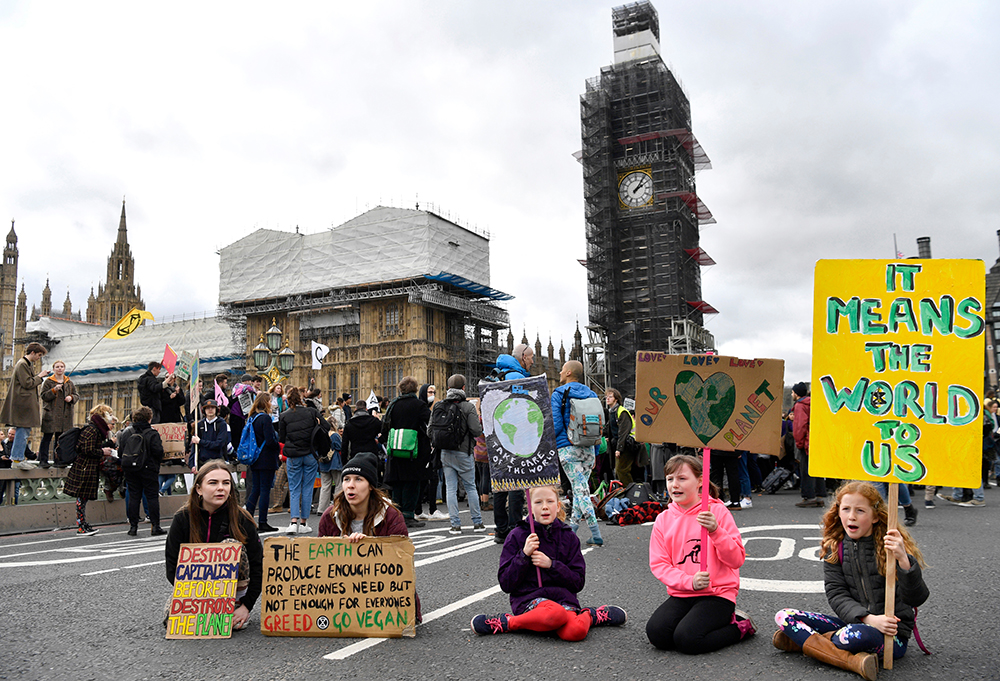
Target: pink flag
169, 359
220, 396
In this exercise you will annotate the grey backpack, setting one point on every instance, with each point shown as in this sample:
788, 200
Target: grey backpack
584, 420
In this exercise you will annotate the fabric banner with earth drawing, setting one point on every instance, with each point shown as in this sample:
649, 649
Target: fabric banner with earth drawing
520, 439
711, 401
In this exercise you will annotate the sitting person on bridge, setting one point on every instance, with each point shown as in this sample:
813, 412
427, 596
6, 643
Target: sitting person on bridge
213, 514
856, 539
360, 509
700, 616
554, 549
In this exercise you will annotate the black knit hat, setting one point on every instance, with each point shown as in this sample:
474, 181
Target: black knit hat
365, 465
800, 389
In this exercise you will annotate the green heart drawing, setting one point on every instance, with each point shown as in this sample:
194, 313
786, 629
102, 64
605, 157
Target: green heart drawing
706, 405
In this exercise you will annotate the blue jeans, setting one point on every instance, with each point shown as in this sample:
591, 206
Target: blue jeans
262, 483
457, 465
745, 487
167, 484
904, 492
20, 444
977, 494
301, 478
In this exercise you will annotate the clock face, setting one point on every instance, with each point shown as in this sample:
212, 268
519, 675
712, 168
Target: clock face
635, 189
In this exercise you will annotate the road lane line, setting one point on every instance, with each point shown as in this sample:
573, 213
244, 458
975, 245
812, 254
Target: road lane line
354, 648
155, 562
445, 556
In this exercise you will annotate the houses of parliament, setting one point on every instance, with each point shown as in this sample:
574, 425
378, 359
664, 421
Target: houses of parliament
116, 296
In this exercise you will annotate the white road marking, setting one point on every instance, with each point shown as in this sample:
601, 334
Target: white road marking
354, 648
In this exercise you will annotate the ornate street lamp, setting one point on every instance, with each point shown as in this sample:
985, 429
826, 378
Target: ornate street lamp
273, 365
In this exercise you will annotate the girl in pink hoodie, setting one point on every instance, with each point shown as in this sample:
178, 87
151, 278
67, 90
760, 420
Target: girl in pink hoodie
700, 615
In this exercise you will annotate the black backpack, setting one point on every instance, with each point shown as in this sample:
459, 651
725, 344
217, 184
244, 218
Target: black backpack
495, 376
448, 427
66, 446
134, 451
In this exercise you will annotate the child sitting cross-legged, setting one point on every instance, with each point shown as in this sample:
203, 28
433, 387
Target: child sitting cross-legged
554, 549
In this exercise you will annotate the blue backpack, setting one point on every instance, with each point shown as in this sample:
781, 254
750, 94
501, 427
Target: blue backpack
249, 449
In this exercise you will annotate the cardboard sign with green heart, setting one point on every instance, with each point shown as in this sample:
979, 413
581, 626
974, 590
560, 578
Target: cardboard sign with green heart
712, 401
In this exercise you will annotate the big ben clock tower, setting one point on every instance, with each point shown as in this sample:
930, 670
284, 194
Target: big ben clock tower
643, 214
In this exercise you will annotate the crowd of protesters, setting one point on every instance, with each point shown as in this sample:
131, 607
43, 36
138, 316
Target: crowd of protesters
374, 465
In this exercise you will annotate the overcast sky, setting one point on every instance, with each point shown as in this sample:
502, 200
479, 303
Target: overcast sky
831, 126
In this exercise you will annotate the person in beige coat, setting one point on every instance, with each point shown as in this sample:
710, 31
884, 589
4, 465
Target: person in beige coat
20, 408
58, 400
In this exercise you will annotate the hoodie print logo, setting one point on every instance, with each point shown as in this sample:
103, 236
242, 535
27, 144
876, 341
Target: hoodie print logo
695, 552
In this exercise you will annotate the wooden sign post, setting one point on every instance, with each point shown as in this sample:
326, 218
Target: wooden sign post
898, 351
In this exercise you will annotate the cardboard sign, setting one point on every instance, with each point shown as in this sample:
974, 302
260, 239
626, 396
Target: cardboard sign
172, 436
182, 368
330, 587
204, 597
898, 352
520, 437
711, 401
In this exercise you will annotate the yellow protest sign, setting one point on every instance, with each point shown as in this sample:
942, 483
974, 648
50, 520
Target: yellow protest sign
897, 368
204, 596
712, 401
330, 587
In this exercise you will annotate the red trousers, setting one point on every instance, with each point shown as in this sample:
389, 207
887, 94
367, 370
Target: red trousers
550, 616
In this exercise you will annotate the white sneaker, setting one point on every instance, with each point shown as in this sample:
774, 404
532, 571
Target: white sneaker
421, 516
293, 528
24, 465
438, 515
304, 529
746, 502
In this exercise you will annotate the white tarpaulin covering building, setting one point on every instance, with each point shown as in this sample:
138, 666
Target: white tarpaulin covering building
125, 359
383, 244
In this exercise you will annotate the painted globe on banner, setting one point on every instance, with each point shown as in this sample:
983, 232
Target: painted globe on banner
519, 424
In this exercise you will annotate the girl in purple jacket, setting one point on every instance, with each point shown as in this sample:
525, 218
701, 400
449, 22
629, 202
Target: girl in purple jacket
554, 549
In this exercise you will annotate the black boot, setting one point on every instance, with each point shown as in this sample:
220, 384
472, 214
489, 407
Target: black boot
910, 515
157, 531
133, 531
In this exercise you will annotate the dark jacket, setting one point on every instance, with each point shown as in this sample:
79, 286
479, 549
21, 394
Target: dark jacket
85, 473
295, 429
150, 388
57, 413
361, 435
263, 431
560, 583
216, 529
473, 427
171, 409
855, 589
213, 438
560, 410
512, 368
154, 445
408, 411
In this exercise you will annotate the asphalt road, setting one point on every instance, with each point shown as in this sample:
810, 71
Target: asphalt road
90, 608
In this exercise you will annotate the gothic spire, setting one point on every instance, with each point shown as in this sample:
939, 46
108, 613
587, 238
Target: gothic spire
122, 235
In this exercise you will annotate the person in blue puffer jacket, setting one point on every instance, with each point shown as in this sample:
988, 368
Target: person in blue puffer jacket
576, 461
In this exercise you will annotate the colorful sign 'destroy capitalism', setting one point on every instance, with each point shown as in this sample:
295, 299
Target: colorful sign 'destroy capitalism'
898, 352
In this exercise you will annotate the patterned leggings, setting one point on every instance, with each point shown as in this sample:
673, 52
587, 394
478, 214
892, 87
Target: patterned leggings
856, 638
81, 512
577, 463
545, 615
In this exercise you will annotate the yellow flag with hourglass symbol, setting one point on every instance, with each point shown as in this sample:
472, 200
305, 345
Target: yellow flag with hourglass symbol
129, 323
